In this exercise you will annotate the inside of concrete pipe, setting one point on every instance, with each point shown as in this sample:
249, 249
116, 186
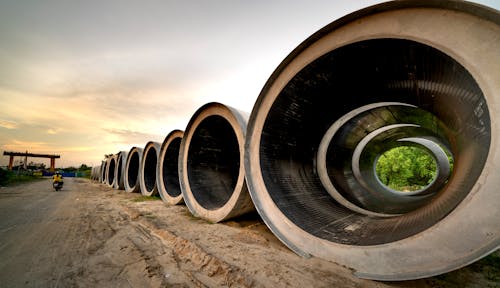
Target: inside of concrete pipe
213, 162
150, 163
133, 169
111, 171
170, 168
103, 171
327, 127
119, 168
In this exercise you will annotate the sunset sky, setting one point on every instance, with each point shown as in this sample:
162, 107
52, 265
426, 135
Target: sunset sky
88, 78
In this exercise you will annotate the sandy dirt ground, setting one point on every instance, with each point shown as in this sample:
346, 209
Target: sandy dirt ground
89, 235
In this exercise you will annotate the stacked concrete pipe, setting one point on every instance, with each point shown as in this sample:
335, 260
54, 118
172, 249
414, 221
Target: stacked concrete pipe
167, 172
121, 162
422, 73
132, 169
111, 171
211, 171
147, 171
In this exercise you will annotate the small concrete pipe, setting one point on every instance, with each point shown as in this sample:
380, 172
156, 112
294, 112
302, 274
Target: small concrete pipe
402, 73
167, 171
147, 172
121, 162
93, 174
211, 171
110, 171
132, 169
97, 172
104, 168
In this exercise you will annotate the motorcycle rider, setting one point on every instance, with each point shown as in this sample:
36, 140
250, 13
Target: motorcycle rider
57, 178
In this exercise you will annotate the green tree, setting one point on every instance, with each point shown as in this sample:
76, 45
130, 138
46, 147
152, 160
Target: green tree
406, 168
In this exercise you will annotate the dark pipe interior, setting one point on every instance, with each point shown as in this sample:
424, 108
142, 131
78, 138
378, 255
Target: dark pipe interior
111, 172
133, 169
358, 74
150, 169
103, 171
213, 162
170, 168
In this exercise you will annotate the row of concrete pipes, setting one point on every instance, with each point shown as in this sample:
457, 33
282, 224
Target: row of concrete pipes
202, 168
402, 73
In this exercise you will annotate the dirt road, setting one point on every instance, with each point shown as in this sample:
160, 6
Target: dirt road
88, 235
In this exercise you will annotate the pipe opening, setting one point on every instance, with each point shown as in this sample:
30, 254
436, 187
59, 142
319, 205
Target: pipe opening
133, 169
150, 163
103, 172
213, 162
170, 168
111, 171
331, 122
119, 168
406, 169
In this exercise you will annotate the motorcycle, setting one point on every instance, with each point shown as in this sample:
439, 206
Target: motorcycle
57, 185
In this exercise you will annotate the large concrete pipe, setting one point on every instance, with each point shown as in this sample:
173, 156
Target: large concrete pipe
121, 162
147, 172
418, 73
211, 171
132, 168
167, 172
110, 171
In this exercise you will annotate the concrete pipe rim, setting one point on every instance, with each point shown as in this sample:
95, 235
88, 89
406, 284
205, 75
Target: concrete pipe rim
147, 170
168, 172
473, 24
132, 168
103, 179
111, 171
121, 158
236, 201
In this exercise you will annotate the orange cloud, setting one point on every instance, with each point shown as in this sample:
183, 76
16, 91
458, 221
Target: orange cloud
8, 124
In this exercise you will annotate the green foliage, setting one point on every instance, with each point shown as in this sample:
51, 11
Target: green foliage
8, 178
406, 168
82, 171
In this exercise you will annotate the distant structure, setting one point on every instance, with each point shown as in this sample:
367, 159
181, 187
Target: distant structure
26, 155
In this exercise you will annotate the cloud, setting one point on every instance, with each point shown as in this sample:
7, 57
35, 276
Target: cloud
18, 145
130, 136
8, 124
77, 149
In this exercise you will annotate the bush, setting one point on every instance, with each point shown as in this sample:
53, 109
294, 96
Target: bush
8, 177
